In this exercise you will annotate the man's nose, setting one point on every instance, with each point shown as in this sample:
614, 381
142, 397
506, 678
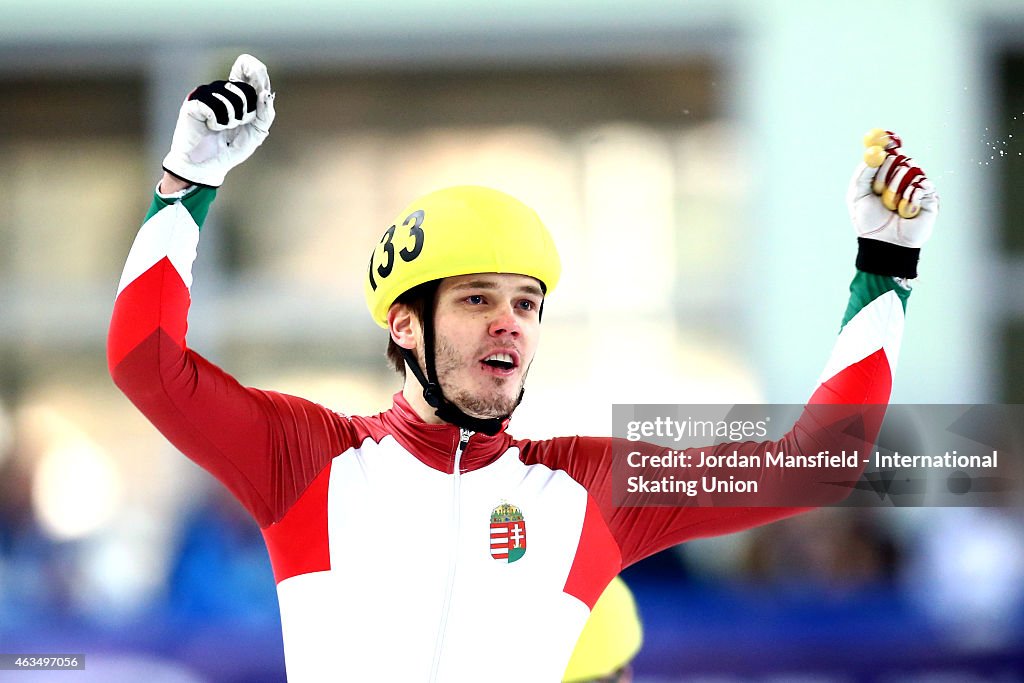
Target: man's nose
505, 322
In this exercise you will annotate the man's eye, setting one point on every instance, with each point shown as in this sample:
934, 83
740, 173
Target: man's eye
527, 305
475, 299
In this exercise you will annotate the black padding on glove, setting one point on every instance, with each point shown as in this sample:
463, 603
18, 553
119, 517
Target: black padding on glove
250, 93
885, 258
207, 94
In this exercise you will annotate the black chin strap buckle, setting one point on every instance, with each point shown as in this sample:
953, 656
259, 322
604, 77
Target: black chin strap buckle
432, 395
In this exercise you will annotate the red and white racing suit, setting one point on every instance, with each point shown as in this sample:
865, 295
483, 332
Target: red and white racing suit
380, 528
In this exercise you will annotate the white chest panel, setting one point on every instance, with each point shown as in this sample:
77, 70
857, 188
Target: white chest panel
392, 606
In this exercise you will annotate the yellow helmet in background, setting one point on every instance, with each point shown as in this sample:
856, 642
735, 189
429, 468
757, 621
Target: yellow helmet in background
611, 637
458, 231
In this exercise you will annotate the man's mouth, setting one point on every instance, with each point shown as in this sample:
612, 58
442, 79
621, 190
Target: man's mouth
500, 362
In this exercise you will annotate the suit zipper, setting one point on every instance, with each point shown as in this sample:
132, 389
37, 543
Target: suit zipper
464, 435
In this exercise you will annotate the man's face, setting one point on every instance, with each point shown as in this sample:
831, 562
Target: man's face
486, 328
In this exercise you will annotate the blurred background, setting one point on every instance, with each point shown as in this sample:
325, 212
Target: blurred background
691, 158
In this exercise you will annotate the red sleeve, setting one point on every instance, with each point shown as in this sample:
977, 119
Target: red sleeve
856, 383
265, 447
640, 531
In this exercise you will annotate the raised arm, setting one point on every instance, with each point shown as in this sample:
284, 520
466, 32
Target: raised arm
265, 447
893, 207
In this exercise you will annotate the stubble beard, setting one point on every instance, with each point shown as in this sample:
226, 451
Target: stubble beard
447, 362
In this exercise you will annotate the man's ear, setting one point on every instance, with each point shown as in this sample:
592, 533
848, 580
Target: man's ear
403, 326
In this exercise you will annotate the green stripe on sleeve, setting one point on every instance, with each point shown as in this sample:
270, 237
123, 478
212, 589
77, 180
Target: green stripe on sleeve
197, 202
866, 287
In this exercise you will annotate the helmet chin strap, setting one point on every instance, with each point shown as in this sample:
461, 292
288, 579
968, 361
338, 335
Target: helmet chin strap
432, 393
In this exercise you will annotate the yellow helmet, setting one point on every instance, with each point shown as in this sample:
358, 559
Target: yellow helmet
611, 637
458, 231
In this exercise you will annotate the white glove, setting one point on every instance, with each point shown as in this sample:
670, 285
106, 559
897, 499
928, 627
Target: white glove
881, 199
221, 124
